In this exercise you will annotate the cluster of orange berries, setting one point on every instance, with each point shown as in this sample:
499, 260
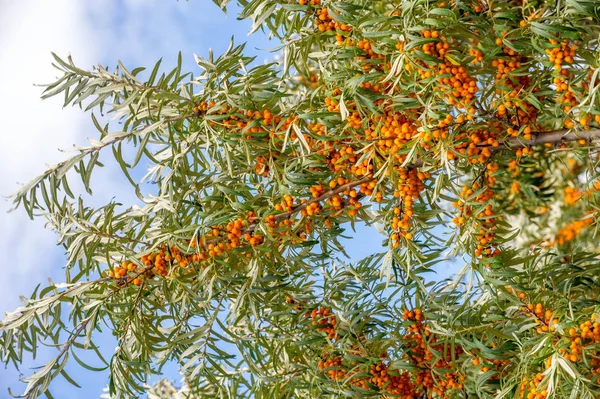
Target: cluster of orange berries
314, 208
570, 231
437, 135
413, 315
406, 385
572, 195
460, 88
427, 34
587, 334
543, 317
251, 122
518, 112
410, 186
529, 389
261, 166
237, 123
437, 49
485, 218
203, 107
376, 88
584, 121
506, 66
478, 145
238, 233
392, 131
333, 368
369, 187
476, 54
442, 132
343, 158
515, 187
332, 106
159, 263
236, 229
420, 344
220, 239
513, 167
166, 258
317, 190
523, 151
351, 203
563, 52
398, 384
367, 48
122, 271
255, 122
281, 228
515, 132
566, 95
223, 238
287, 203
322, 317
325, 22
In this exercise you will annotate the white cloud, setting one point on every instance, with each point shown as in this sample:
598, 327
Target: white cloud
33, 130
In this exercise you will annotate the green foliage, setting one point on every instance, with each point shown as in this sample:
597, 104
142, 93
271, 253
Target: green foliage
463, 131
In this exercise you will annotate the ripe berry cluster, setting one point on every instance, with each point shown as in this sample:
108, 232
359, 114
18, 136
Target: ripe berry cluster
325, 320
543, 317
429, 356
484, 220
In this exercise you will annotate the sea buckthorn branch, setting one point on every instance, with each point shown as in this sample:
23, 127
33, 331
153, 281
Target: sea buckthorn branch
134, 305
286, 215
24, 314
60, 169
324, 197
563, 135
513, 143
37, 383
210, 323
138, 86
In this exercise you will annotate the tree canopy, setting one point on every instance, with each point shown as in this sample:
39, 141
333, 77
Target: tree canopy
459, 129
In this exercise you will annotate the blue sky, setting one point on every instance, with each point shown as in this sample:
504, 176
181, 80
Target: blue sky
137, 32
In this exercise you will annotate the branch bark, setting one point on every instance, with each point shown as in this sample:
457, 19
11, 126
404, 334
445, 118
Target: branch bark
557, 136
